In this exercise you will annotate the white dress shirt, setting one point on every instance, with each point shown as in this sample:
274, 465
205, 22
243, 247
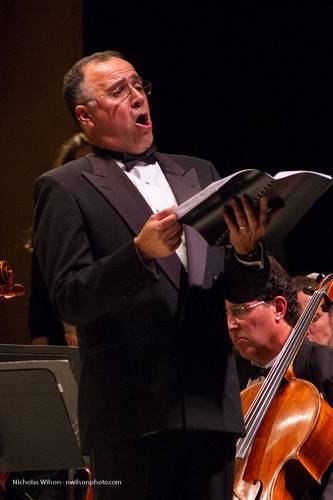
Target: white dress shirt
260, 379
152, 184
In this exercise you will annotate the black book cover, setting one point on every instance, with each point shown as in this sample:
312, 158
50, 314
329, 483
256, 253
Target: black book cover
294, 192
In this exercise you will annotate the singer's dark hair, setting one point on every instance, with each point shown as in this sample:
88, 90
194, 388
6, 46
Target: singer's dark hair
73, 90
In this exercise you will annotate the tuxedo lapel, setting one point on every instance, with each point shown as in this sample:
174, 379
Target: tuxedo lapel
121, 193
184, 183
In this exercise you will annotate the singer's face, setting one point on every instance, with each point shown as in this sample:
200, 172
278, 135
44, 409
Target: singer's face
115, 113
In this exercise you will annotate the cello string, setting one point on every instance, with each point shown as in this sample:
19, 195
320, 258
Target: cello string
285, 357
269, 389
288, 346
272, 383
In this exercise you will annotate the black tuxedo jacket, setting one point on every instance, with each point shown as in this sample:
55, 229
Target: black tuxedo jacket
155, 349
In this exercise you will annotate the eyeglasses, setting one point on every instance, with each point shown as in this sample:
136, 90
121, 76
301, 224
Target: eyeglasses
122, 90
241, 311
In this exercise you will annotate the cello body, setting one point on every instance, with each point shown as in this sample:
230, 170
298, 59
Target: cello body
297, 430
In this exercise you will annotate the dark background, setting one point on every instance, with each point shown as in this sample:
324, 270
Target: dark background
251, 86
246, 87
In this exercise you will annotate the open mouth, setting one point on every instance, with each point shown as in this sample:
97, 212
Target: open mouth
142, 120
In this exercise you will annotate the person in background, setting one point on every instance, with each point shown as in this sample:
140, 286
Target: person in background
259, 329
72, 149
321, 328
159, 403
44, 326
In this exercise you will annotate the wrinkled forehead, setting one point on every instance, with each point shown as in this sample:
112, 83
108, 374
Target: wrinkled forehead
97, 74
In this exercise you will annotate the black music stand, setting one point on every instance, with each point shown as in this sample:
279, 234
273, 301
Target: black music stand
19, 352
38, 414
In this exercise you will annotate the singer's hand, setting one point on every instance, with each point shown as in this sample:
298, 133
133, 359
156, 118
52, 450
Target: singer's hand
160, 236
246, 226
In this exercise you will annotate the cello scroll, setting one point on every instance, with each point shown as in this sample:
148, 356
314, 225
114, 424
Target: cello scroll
8, 289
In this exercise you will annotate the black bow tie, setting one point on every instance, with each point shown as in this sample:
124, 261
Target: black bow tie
147, 157
254, 371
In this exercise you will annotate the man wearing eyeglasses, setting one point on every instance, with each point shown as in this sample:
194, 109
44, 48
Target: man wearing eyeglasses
259, 329
159, 403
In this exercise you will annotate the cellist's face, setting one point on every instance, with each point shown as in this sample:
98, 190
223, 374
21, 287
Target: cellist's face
260, 333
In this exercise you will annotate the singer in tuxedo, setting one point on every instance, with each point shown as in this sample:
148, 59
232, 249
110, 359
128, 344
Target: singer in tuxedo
259, 329
159, 405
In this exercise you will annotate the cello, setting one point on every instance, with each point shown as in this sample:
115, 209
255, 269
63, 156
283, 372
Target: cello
287, 424
8, 289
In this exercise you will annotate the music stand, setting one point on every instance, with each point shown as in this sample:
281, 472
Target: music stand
18, 352
38, 414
